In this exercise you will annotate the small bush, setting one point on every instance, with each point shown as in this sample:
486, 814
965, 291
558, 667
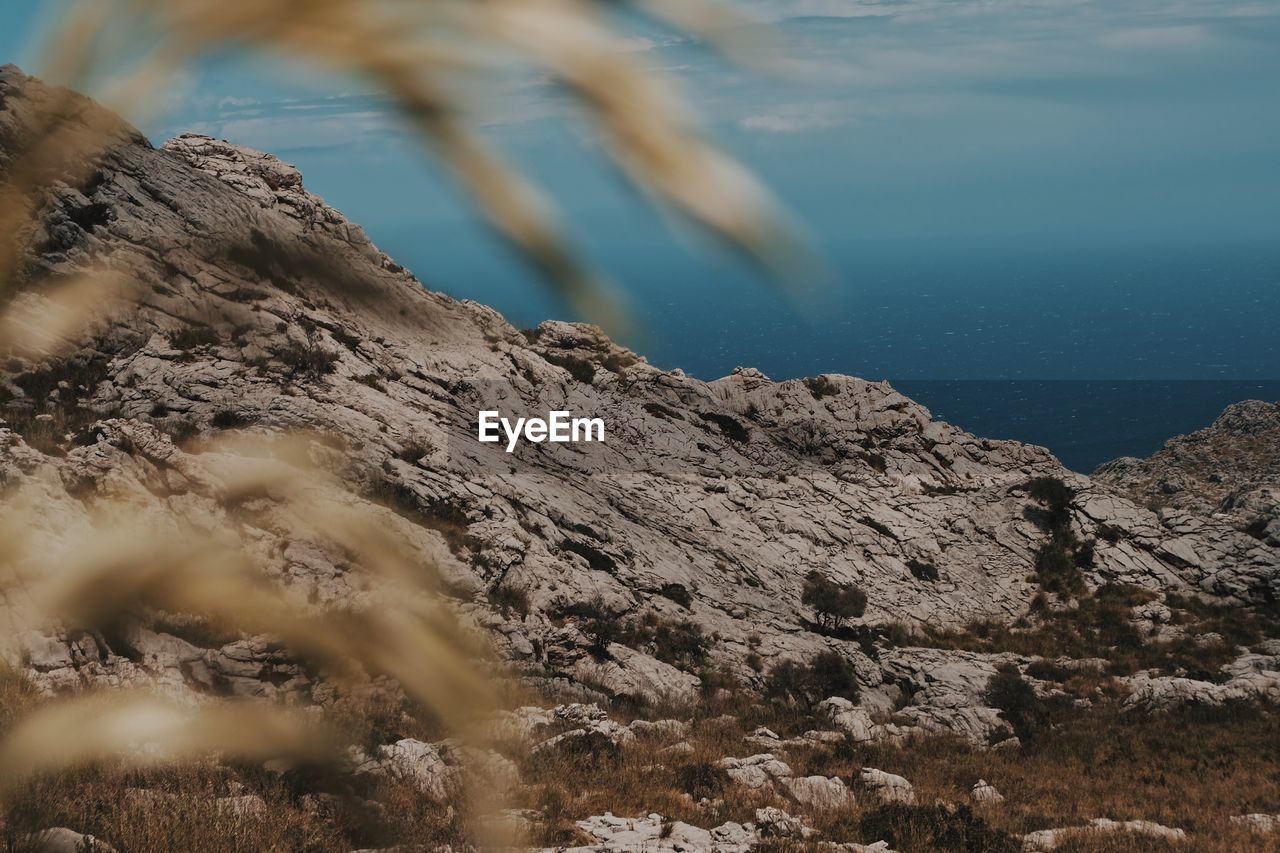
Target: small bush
191, 337
308, 359
509, 599
1051, 491
923, 571
227, 419
579, 368
680, 644
821, 386
939, 827
832, 602
828, 674
1018, 703
1056, 569
600, 626
676, 592
415, 450
730, 427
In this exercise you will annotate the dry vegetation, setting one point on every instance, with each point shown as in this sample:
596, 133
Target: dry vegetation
1191, 768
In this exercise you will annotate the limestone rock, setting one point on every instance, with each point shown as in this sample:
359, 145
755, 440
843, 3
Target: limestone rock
819, 792
887, 787
653, 833
1051, 839
1262, 824
709, 501
772, 822
984, 793
756, 771
61, 840
421, 763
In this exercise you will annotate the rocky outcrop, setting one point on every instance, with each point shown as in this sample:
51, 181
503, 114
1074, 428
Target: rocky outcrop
1051, 839
984, 793
61, 840
887, 787
1230, 469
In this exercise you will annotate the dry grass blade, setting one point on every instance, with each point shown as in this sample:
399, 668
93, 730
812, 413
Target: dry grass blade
414, 52
41, 325
142, 730
121, 564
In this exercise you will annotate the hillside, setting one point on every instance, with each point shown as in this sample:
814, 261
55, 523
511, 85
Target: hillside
1230, 469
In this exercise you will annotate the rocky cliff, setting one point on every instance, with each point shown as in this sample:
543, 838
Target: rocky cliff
1230, 470
262, 309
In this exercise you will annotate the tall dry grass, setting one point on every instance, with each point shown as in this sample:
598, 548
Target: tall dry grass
430, 59
120, 568
436, 61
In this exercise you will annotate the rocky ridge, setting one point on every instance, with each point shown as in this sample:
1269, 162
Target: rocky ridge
1230, 469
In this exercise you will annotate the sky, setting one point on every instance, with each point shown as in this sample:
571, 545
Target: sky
1043, 189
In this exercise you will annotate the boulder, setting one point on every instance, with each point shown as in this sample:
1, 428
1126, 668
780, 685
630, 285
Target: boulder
1262, 824
984, 793
886, 787
59, 839
757, 771
820, 792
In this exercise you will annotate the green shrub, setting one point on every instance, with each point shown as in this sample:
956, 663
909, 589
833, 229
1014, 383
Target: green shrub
509, 599
730, 427
828, 674
680, 644
832, 602
189, 338
1056, 569
308, 359
1018, 703
938, 827
821, 386
227, 419
678, 593
579, 368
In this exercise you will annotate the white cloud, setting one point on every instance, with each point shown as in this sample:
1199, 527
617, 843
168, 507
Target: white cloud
799, 118
1154, 37
300, 130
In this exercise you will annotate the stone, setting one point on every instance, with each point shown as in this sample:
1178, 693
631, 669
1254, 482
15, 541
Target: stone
773, 822
1051, 839
420, 762
243, 806
653, 833
820, 792
756, 771
984, 793
59, 839
1257, 822
659, 729
886, 787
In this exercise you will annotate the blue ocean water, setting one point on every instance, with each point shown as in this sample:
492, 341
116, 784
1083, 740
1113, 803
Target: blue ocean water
1093, 349
1085, 423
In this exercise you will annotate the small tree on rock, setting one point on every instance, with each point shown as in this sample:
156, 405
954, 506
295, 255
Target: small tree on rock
832, 602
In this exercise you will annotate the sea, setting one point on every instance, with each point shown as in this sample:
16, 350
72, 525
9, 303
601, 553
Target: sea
1093, 348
